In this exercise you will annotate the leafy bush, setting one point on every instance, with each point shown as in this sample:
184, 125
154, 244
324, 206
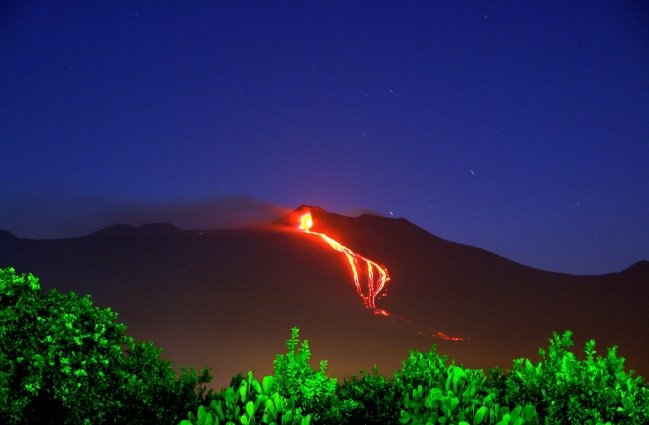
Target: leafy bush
443, 407
568, 390
435, 392
425, 369
250, 403
371, 398
311, 389
65, 361
496, 382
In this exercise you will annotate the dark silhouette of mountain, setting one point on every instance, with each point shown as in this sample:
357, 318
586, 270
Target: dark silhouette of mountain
6, 235
126, 230
228, 298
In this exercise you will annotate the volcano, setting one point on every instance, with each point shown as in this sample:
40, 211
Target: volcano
228, 298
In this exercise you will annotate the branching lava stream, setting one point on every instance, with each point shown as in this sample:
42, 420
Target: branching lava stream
370, 278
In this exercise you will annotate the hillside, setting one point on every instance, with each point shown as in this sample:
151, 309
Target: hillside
227, 298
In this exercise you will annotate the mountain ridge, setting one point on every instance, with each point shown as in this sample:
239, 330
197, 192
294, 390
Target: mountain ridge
228, 297
117, 230
161, 228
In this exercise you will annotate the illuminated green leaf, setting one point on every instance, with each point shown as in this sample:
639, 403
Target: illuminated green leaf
480, 415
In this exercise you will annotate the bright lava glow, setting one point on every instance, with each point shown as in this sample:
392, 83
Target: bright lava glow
369, 277
376, 276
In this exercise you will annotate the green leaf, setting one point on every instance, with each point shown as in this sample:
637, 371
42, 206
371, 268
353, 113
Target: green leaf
257, 387
449, 379
458, 375
201, 415
454, 403
267, 384
278, 401
243, 390
269, 406
417, 392
436, 394
250, 409
219, 410
480, 415
529, 412
287, 417
244, 420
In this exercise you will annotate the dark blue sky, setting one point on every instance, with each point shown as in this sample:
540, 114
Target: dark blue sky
518, 127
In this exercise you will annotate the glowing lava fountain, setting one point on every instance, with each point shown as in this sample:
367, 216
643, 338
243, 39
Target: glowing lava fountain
376, 275
370, 278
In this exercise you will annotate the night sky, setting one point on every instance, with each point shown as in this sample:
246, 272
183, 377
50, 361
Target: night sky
520, 128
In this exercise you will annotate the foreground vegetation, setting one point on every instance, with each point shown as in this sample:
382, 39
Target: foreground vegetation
65, 361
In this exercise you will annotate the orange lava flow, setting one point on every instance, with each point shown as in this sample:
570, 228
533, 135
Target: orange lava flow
376, 275
446, 337
369, 278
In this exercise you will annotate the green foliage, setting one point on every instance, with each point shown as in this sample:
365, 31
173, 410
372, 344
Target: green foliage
445, 408
436, 392
159, 393
425, 369
65, 361
496, 382
311, 389
371, 398
568, 390
249, 403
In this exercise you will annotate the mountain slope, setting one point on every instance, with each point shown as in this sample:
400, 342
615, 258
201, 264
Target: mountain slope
227, 298
497, 303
